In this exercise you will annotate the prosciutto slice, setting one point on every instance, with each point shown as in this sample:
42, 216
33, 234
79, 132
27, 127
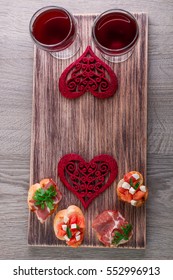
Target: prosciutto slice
106, 223
43, 214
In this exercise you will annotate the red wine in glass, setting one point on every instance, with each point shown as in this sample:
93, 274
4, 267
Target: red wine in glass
115, 32
53, 28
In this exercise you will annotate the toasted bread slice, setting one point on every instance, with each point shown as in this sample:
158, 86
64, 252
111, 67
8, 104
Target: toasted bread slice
64, 218
139, 196
43, 214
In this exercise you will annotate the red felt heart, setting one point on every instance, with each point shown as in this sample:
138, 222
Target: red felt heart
88, 74
87, 179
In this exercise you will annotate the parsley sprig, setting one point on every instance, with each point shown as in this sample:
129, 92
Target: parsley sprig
69, 233
124, 235
134, 186
44, 197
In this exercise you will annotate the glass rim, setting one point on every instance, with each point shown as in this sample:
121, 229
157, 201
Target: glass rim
47, 8
131, 44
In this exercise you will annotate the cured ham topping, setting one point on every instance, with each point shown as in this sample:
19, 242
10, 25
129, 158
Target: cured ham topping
42, 214
45, 198
112, 228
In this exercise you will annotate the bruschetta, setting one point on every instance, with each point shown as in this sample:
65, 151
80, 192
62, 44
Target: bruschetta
131, 189
43, 198
112, 229
69, 225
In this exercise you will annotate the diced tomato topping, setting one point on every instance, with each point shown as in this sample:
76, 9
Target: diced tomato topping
128, 178
122, 190
73, 219
61, 232
126, 196
72, 241
138, 195
59, 226
74, 230
81, 222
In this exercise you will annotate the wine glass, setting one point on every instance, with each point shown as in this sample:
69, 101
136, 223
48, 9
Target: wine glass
115, 33
54, 29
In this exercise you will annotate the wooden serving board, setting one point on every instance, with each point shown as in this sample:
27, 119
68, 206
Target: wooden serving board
89, 126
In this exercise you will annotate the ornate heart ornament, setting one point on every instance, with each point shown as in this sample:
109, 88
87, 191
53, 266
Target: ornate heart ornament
88, 74
87, 179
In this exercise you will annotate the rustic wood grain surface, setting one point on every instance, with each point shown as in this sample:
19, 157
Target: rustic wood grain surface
16, 62
89, 126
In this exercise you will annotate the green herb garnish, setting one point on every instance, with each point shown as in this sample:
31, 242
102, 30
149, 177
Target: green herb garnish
117, 238
134, 186
69, 234
77, 226
131, 182
124, 235
126, 230
44, 197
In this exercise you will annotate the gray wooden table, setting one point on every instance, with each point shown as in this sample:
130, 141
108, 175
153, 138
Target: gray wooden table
16, 61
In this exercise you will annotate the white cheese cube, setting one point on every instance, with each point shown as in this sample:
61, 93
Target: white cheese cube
136, 176
126, 186
143, 188
77, 233
66, 219
132, 190
133, 202
78, 237
66, 238
64, 227
73, 226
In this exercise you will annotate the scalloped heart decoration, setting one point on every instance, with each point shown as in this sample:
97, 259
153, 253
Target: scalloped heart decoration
87, 179
88, 74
